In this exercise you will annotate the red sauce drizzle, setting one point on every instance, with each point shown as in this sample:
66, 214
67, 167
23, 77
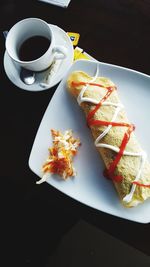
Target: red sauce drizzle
109, 173
139, 184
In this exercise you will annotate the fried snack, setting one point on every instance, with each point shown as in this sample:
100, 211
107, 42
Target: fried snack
126, 163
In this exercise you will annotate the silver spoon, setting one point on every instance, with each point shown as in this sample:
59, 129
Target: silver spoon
27, 76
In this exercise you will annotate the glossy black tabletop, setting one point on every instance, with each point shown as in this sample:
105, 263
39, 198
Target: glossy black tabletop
36, 217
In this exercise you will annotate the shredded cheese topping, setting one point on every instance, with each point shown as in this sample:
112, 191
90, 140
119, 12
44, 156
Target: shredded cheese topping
60, 159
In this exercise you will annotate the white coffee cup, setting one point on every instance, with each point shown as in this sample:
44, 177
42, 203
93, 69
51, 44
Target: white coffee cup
26, 29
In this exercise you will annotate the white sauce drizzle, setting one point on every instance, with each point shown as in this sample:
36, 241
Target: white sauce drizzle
118, 107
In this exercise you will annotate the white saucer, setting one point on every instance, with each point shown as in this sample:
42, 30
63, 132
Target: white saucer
13, 71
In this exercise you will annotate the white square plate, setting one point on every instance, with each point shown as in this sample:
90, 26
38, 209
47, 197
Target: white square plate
89, 186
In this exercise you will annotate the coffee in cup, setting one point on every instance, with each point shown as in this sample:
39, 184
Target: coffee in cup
27, 51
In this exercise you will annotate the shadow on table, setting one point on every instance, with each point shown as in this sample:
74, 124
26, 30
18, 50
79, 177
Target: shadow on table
85, 245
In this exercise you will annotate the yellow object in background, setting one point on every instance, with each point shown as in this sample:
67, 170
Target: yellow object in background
79, 54
74, 37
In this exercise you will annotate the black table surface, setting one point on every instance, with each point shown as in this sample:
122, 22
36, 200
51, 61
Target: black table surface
36, 217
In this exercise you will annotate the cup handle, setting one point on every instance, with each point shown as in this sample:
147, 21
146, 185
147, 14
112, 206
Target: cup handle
61, 52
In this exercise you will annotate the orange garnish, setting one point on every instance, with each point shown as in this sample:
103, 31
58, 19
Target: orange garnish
60, 160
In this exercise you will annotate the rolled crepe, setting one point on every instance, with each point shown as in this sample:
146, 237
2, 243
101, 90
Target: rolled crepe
131, 175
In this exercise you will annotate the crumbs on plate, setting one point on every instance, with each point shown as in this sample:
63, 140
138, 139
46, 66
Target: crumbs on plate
61, 154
